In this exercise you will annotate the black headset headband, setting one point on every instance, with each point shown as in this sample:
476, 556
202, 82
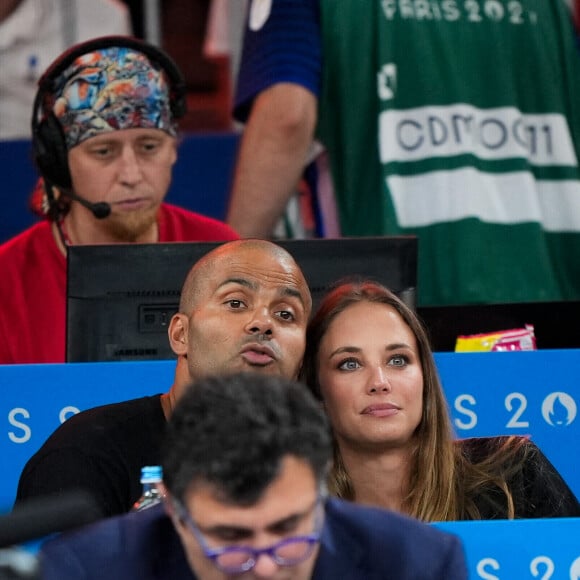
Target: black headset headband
48, 143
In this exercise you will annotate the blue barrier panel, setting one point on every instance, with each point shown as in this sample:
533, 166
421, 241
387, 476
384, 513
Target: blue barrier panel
37, 398
520, 549
531, 393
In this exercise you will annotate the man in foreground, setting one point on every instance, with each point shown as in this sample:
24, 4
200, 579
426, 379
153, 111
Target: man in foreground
245, 463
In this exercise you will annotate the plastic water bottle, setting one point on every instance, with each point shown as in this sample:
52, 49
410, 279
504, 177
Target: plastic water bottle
152, 481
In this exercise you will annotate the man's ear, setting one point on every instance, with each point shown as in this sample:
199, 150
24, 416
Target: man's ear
178, 328
169, 507
172, 514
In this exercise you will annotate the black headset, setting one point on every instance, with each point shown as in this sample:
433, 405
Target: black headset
48, 140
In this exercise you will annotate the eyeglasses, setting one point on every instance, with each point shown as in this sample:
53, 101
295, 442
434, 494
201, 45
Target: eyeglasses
238, 559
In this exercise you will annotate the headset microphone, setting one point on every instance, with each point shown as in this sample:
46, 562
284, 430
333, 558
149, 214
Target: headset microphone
100, 210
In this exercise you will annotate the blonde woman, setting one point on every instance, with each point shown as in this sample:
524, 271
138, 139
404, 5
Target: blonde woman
369, 361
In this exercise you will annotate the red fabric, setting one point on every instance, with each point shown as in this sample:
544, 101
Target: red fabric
33, 284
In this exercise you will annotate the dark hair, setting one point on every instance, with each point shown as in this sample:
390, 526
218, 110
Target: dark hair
233, 431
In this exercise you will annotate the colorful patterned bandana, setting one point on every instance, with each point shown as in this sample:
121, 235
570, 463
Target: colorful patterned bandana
111, 89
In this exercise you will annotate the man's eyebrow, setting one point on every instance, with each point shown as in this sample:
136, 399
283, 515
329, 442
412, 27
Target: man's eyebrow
99, 141
292, 292
240, 281
225, 530
291, 519
285, 291
241, 532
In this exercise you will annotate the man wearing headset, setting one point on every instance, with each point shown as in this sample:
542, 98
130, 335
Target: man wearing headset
104, 139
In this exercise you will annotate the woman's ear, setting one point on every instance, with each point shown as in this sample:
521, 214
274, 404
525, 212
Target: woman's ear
177, 332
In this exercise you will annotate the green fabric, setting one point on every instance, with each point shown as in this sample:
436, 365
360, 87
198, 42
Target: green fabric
477, 118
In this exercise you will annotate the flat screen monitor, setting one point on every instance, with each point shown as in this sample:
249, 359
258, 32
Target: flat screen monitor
120, 298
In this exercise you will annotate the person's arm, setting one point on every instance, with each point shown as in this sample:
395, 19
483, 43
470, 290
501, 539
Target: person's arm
276, 98
272, 156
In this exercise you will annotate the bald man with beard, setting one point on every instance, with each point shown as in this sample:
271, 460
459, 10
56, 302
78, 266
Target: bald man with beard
244, 306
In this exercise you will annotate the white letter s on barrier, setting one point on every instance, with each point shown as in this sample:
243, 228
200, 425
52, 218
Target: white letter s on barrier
67, 412
25, 428
483, 573
465, 411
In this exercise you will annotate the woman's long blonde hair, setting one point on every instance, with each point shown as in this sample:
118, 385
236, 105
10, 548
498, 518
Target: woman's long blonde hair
442, 481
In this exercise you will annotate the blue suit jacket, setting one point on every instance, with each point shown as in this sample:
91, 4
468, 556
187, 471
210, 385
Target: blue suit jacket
358, 543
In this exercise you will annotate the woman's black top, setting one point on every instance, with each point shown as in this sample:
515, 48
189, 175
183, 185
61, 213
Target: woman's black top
537, 488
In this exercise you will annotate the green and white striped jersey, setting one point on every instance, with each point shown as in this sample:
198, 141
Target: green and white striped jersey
459, 121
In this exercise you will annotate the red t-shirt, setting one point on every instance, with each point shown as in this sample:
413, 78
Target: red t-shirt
33, 284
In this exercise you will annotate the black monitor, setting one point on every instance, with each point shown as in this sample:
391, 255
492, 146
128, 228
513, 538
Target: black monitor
120, 298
